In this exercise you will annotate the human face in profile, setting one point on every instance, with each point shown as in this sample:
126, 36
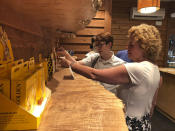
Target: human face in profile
135, 52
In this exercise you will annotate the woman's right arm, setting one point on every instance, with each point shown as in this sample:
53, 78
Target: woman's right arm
62, 52
114, 75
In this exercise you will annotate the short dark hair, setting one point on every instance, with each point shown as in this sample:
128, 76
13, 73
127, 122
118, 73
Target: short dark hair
106, 36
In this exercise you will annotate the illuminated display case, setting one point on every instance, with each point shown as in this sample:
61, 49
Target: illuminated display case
171, 52
15, 117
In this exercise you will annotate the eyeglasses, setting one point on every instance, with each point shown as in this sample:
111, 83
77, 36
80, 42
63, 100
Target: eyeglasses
99, 43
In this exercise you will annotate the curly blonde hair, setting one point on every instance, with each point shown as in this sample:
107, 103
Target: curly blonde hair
148, 37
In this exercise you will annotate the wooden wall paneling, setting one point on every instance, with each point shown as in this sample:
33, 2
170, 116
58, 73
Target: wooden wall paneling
120, 42
78, 40
96, 23
100, 15
18, 34
18, 21
121, 47
161, 56
76, 48
100, 23
25, 35
108, 15
65, 15
127, 21
123, 26
25, 50
25, 44
119, 31
90, 31
79, 56
120, 23
160, 63
120, 37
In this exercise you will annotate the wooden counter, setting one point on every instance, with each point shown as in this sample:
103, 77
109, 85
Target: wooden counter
81, 105
166, 95
168, 70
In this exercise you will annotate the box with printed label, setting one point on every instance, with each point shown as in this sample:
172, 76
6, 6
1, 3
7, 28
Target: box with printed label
45, 65
14, 117
5, 87
4, 81
37, 77
23, 91
40, 92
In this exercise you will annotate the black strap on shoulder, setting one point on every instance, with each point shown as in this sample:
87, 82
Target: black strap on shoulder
95, 61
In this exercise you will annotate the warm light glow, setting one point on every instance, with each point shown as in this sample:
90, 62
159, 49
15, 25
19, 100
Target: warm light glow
148, 6
148, 10
38, 109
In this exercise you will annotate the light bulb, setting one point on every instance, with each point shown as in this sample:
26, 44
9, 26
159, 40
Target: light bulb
148, 10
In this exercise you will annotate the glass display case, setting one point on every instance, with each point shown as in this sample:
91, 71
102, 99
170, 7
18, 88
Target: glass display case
171, 52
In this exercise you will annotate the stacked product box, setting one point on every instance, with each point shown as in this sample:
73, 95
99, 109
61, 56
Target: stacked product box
5, 75
4, 81
38, 71
41, 89
44, 63
23, 90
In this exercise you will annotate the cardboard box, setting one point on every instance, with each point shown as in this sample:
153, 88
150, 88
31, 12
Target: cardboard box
4, 81
41, 90
14, 117
3, 70
5, 87
23, 90
45, 65
13, 63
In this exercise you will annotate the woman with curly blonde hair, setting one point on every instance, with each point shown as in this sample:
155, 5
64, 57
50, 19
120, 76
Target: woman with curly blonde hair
149, 38
140, 79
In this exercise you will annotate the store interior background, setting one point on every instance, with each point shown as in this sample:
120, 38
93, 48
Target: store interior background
35, 29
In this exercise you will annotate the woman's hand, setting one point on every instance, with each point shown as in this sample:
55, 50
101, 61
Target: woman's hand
64, 62
61, 52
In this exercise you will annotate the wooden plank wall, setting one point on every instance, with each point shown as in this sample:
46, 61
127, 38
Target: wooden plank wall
25, 44
121, 23
100, 23
25, 35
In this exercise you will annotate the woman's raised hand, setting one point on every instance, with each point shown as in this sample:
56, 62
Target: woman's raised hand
64, 62
61, 52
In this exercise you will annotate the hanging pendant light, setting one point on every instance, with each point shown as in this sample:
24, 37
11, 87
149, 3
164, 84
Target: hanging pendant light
148, 6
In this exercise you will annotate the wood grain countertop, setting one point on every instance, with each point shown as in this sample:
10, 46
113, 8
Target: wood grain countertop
168, 70
81, 105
